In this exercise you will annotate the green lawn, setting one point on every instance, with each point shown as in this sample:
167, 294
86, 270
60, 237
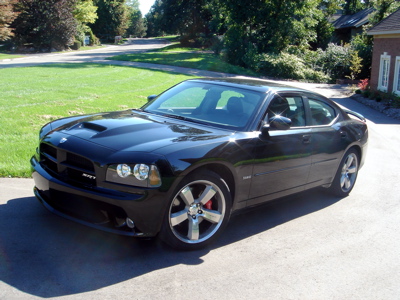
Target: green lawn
198, 60
175, 47
8, 56
31, 97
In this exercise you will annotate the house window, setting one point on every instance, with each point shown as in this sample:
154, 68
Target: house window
396, 83
384, 72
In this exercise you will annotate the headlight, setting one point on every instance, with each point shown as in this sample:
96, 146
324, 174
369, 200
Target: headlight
141, 171
136, 175
123, 170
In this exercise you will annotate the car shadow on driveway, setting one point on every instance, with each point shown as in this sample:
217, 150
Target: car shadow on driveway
47, 256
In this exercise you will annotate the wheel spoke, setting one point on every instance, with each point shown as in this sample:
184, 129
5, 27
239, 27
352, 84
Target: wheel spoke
343, 180
178, 217
349, 161
196, 213
347, 182
193, 230
187, 196
212, 216
352, 170
207, 194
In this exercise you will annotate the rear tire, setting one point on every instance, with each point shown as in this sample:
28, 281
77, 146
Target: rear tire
346, 174
197, 213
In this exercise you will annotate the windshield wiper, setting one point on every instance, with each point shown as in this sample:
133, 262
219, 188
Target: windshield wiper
175, 117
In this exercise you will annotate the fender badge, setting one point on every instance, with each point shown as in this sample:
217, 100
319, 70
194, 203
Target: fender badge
63, 140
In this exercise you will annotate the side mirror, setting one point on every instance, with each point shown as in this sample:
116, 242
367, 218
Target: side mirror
151, 97
280, 123
276, 123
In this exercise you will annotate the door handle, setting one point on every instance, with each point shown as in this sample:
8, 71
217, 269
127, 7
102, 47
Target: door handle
306, 139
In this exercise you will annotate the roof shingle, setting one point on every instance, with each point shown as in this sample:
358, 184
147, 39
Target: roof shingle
389, 25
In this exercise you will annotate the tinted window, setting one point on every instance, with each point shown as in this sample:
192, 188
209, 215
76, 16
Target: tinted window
321, 113
291, 107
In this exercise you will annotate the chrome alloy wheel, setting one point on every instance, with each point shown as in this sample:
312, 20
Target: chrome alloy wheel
197, 211
349, 172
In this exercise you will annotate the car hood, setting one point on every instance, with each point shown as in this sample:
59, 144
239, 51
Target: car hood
136, 131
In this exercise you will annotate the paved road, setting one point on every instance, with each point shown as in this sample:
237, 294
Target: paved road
309, 246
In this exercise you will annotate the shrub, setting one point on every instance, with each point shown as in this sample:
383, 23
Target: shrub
366, 93
235, 46
358, 92
395, 102
76, 46
335, 60
355, 65
217, 44
363, 84
94, 41
285, 65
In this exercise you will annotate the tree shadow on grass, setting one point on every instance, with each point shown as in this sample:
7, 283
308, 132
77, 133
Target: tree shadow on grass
47, 256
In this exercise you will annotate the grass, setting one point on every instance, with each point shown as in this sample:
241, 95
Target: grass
8, 56
170, 38
176, 47
198, 60
33, 96
84, 48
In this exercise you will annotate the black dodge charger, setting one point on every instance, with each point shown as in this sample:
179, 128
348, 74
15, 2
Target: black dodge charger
183, 163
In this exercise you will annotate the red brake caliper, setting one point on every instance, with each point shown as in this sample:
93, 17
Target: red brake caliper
208, 205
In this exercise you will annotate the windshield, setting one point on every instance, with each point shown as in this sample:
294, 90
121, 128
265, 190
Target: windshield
223, 106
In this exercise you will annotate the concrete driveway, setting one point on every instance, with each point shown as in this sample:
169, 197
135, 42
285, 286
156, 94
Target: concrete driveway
308, 246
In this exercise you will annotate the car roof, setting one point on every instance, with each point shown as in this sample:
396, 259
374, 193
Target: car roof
263, 86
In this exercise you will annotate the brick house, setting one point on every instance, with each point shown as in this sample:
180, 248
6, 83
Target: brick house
385, 68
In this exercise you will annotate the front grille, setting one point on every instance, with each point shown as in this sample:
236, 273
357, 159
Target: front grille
79, 161
67, 166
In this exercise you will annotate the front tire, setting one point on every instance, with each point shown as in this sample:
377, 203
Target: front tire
197, 213
346, 174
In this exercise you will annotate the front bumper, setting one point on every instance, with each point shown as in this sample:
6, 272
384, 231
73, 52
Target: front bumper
101, 208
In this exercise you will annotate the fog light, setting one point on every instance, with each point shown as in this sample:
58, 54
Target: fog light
130, 223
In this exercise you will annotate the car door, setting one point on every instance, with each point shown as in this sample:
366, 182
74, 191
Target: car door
282, 158
327, 140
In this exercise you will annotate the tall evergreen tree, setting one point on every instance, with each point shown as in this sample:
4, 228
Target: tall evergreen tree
113, 18
154, 19
137, 26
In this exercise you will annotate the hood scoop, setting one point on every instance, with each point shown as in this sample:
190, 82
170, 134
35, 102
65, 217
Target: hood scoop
91, 126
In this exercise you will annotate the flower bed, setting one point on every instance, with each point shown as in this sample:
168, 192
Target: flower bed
384, 107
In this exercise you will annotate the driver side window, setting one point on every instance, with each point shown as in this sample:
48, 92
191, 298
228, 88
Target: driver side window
291, 107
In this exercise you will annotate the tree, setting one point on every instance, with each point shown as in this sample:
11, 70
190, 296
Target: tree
190, 18
269, 25
353, 6
324, 27
137, 26
85, 13
45, 24
113, 19
7, 16
383, 8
